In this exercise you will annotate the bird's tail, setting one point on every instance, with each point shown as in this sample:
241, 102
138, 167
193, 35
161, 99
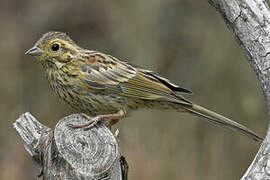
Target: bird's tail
221, 120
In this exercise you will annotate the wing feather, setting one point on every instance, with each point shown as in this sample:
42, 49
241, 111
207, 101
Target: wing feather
133, 82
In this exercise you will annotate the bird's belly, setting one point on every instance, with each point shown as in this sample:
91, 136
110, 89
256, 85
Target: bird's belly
93, 103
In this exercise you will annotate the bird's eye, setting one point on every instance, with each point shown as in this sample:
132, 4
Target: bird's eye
55, 47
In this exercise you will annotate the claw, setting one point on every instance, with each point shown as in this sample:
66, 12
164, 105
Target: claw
116, 135
108, 119
85, 116
92, 123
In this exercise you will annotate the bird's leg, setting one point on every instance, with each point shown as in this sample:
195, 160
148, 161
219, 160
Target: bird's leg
109, 119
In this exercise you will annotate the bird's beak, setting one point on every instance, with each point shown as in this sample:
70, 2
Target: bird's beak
34, 51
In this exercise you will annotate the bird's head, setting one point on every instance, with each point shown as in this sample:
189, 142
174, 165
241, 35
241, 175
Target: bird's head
54, 49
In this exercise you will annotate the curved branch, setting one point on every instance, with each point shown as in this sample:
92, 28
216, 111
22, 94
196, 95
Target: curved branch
249, 20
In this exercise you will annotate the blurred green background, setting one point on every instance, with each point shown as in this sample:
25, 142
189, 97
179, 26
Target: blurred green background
183, 40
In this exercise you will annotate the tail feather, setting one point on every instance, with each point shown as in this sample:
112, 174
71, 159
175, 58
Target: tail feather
221, 120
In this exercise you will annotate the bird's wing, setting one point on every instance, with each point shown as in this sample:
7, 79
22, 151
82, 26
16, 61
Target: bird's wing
101, 71
162, 80
119, 77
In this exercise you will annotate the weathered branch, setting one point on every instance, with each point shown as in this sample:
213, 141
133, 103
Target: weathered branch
249, 20
67, 153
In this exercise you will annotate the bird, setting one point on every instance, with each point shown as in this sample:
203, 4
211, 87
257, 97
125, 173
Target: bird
106, 89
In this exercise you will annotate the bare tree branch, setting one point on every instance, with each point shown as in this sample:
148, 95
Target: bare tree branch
67, 153
249, 20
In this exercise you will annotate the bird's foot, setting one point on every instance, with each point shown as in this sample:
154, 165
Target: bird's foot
107, 119
86, 116
91, 122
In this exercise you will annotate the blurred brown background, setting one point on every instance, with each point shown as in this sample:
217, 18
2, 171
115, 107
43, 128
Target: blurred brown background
184, 40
